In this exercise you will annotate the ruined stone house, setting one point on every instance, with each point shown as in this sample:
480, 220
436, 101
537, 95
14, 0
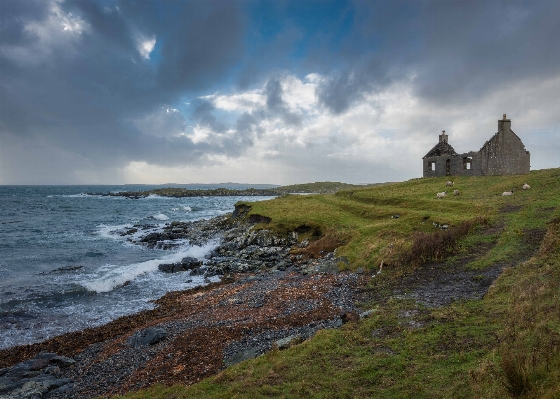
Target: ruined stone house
503, 154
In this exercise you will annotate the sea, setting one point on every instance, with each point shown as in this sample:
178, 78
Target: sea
65, 267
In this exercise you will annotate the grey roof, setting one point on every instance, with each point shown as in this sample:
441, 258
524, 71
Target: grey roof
441, 148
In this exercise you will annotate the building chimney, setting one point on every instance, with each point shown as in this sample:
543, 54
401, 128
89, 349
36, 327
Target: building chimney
504, 123
443, 136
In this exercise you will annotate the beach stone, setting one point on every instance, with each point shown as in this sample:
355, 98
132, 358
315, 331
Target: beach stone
63, 361
238, 357
45, 355
8, 385
149, 336
60, 391
187, 263
288, 342
29, 390
168, 267
199, 271
39, 364
190, 262
52, 370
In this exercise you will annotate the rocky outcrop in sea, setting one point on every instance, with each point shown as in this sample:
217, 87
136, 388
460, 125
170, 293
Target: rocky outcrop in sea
240, 248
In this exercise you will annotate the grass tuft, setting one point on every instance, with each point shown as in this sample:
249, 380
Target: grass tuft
437, 246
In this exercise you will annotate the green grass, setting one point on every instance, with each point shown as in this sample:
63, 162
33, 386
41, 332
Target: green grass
324, 187
506, 345
364, 215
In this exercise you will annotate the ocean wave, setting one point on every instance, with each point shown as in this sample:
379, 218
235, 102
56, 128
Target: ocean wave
109, 277
155, 196
80, 195
160, 216
112, 231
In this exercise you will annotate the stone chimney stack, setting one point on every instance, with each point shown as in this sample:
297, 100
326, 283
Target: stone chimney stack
504, 123
443, 136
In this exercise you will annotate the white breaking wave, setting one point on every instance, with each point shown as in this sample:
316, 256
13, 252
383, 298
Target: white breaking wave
112, 231
187, 208
160, 216
109, 277
76, 195
155, 196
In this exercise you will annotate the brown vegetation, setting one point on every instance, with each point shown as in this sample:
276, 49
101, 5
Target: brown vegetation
438, 245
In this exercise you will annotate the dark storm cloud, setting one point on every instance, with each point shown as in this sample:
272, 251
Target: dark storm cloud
458, 51
203, 115
91, 92
275, 105
343, 89
80, 91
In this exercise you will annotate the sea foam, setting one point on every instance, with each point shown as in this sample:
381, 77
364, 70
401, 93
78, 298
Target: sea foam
109, 277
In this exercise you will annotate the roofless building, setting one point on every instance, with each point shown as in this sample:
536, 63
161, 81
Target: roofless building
503, 154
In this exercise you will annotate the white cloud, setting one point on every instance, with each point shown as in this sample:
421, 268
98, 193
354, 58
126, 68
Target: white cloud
299, 96
59, 30
381, 138
200, 134
146, 46
241, 102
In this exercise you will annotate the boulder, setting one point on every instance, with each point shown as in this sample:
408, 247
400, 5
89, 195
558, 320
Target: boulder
149, 336
62, 361
288, 342
39, 364
45, 355
238, 357
187, 263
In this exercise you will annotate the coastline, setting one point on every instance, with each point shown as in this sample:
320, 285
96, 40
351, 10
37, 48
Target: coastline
268, 298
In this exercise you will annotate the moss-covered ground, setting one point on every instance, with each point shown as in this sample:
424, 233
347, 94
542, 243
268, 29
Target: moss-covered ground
504, 345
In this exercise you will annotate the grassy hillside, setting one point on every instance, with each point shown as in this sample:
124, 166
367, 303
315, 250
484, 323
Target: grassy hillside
326, 187
505, 345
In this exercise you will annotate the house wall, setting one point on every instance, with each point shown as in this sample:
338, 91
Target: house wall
456, 164
503, 154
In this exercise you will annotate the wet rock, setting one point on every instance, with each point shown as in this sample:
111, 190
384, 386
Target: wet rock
62, 361
240, 210
188, 263
149, 336
199, 271
53, 370
25, 380
238, 357
39, 364
67, 269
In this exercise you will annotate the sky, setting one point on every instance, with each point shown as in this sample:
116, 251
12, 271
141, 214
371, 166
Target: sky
278, 92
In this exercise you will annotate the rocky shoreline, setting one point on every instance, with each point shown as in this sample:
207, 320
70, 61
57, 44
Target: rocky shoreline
271, 296
268, 298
